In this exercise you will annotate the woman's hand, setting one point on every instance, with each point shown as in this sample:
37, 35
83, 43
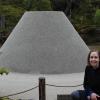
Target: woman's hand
94, 96
98, 97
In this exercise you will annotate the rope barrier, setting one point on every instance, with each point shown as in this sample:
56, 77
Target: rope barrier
20, 92
63, 86
37, 87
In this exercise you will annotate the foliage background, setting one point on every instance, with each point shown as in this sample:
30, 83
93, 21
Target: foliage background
83, 14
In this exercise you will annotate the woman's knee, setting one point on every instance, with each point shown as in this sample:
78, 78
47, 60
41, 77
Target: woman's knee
79, 95
75, 95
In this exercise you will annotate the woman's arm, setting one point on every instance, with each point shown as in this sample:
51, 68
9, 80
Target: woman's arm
86, 84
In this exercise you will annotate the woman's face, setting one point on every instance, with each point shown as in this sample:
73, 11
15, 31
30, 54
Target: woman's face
94, 59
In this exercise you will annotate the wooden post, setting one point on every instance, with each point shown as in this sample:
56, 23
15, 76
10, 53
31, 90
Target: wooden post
42, 94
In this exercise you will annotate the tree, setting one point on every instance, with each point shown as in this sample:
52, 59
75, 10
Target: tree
37, 5
43, 5
12, 15
97, 17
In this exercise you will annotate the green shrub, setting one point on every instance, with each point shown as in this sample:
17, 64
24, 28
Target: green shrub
4, 70
4, 98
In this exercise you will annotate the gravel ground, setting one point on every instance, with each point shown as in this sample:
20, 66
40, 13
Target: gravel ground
16, 82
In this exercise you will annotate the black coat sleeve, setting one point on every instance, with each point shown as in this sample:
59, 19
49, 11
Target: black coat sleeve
86, 84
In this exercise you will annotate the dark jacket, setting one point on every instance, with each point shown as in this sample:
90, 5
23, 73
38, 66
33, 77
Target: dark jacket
92, 80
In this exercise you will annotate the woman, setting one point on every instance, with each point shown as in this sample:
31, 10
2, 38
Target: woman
91, 79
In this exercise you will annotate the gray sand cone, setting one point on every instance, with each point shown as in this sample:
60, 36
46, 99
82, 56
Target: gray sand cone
44, 42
